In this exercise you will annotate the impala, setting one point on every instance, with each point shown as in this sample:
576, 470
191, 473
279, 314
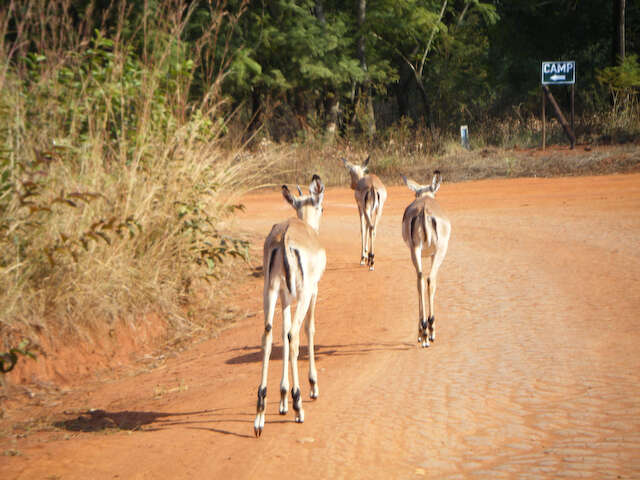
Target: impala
293, 263
426, 231
370, 195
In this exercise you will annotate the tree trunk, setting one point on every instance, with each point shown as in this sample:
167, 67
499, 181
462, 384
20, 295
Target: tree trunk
256, 110
402, 89
332, 109
428, 113
331, 101
369, 122
318, 11
419, 73
618, 32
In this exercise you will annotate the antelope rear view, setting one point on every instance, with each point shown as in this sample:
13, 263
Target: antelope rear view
370, 194
426, 231
293, 263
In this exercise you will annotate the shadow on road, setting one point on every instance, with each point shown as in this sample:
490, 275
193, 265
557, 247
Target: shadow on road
101, 420
254, 354
98, 420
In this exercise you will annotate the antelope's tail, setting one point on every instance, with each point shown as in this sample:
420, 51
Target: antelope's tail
371, 202
430, 226
289, 256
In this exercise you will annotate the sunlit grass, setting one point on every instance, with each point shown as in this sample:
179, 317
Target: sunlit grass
111, 194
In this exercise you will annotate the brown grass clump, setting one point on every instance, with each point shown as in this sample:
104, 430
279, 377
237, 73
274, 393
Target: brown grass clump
113, 182
391, 159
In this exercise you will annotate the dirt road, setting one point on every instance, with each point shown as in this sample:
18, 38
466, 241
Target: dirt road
535, 372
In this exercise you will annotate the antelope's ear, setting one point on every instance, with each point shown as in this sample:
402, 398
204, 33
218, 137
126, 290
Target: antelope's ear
346, 164
366, 162
287, 196
436, 181
413, 186
317, 188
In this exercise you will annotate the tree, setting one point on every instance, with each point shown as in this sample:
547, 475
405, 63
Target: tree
365, 95
618, 29
293, 54
423, 37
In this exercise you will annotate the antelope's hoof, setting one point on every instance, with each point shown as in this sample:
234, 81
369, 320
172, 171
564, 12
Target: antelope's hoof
258, 425
313, 393
284, 405
300, 416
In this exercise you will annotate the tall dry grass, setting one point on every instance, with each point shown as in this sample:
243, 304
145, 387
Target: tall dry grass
499, 147
113, 183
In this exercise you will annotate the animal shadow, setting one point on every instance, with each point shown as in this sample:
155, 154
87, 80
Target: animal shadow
99, 420
255, 353
102, 421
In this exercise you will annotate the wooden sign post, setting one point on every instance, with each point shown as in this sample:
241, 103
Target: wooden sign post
558, 73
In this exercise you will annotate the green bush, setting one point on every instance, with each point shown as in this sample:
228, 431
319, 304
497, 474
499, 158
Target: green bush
113, 184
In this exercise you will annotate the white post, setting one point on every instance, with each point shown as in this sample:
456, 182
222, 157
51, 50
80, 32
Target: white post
464, 137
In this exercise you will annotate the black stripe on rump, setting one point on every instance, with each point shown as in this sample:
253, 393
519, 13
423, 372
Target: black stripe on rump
424, 225
435, 227
297, 253
271, 260
287, 268
413, 226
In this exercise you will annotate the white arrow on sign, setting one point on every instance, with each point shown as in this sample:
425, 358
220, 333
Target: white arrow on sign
557, 77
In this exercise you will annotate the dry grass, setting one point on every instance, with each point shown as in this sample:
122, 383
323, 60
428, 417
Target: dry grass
296, 163
111, 195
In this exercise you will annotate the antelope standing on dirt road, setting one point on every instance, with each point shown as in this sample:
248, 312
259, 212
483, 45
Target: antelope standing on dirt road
293, 263
370, 195
426, 231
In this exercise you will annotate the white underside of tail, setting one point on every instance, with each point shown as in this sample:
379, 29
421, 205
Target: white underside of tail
371, 207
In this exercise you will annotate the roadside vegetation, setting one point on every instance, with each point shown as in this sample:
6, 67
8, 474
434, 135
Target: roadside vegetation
113, 181
129, 129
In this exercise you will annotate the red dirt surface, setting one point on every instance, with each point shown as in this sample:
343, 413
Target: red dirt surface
534, 373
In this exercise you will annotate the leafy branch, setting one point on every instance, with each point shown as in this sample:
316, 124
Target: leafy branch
9, 359
96, 232
207, 246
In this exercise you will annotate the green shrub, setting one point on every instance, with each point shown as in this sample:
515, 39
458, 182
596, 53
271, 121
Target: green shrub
113, 184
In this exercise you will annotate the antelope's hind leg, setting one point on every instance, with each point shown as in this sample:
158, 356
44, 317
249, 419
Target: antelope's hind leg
431, 285
301, 312
363, 237
270, 298
371, 238
416, 258
286, 345
311, 330
372, 233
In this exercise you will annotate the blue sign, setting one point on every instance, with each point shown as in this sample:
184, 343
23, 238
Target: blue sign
558, 73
